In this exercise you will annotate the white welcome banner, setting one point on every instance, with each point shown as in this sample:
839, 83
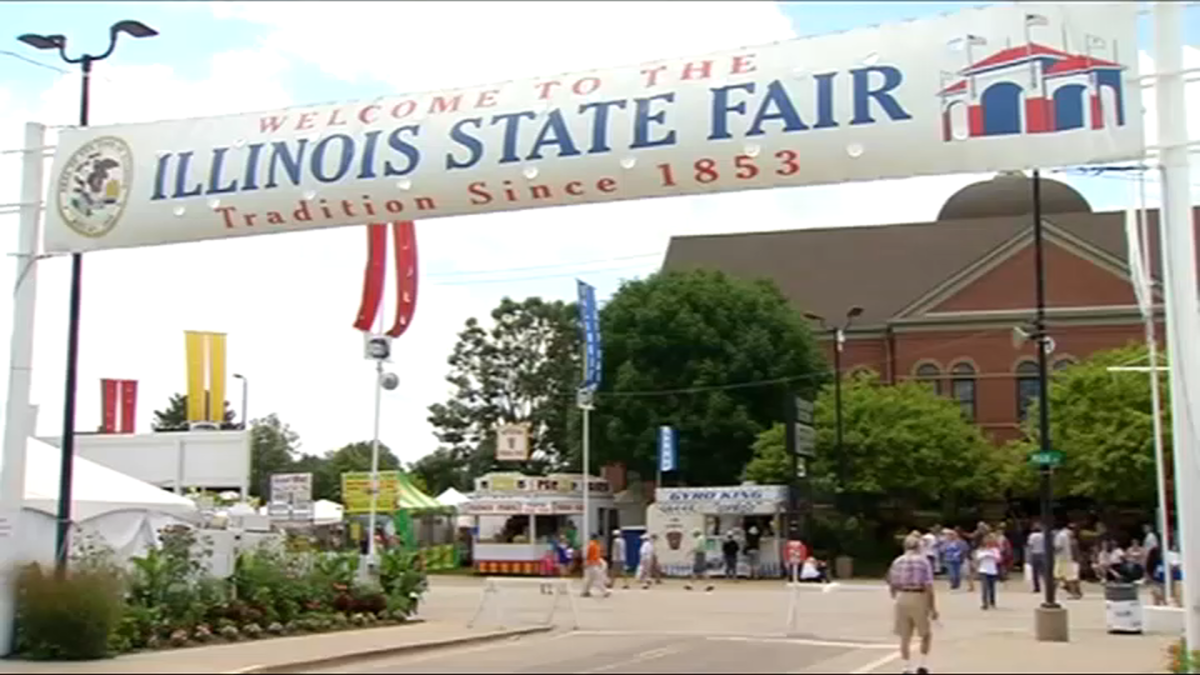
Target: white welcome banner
987, 89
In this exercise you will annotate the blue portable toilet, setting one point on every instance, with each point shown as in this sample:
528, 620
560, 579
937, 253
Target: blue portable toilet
633, 545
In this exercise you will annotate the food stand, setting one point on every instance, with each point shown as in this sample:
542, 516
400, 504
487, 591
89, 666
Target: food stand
515, 515
418, 521
677, 512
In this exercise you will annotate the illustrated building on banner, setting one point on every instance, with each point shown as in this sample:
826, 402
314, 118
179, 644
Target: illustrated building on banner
205, 378
1033, 88
118, 401
512, 442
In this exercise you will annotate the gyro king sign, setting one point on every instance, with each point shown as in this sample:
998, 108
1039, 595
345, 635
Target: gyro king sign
987, 89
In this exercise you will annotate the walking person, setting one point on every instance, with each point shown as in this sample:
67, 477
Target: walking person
699, 561
645, 568
969, 561
1035, 556
1066, 562
989, 561
752, 542
593, 568
616, 563
954, 553
729, 551
910, 581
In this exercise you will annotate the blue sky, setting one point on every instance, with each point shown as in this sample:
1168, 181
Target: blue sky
185, 43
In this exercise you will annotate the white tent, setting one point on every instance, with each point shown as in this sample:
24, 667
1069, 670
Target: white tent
452, 497
326, 512
125, 511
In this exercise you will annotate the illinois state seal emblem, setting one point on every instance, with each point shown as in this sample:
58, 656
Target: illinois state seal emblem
93, 186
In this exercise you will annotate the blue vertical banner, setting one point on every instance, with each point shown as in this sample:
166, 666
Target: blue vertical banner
592, 350
668, 450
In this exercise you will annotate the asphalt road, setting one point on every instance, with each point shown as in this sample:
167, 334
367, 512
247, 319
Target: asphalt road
635, 652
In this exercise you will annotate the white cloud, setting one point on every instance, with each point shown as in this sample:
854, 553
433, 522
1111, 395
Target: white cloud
288, 301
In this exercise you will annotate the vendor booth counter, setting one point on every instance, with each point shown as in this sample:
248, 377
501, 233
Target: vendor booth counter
515, 516
678, 513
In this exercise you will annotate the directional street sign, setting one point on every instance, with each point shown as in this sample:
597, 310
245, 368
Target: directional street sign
1048, 458
806, 440
804, 411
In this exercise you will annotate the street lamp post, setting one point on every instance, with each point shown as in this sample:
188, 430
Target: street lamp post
245, 397
135, 29
1050, 619
839, 341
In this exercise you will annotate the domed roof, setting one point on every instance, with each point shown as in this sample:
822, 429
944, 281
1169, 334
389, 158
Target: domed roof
1011, 194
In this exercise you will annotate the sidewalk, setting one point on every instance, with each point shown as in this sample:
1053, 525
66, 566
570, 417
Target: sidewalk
278, 654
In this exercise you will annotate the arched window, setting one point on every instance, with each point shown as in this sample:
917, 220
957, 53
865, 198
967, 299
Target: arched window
963, 388
1027, 387
929, 374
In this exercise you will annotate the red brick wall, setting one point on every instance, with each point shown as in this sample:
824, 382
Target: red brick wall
1071, 281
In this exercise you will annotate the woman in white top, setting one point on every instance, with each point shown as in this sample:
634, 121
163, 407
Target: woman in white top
987, 561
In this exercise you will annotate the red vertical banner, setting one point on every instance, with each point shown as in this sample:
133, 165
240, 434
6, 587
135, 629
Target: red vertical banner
405, 238
108, 402
373, 276
128, 406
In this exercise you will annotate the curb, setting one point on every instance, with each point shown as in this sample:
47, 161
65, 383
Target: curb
428, 645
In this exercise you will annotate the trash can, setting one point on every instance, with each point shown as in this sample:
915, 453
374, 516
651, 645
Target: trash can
1122, 608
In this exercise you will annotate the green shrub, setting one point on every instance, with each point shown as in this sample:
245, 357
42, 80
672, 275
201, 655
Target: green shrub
403, 580
72, 617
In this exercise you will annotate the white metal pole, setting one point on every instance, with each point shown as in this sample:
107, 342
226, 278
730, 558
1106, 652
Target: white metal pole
587, 534
1160, 466
18, 413
374, 465
1182, 300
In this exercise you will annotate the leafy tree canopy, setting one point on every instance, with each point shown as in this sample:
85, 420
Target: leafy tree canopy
1103, 424
441, 470
899, 440
687, 340
524, 368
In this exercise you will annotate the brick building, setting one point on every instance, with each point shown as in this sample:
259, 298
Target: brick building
940, 299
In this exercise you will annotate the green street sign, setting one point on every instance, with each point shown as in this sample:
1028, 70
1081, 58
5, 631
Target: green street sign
1049, 458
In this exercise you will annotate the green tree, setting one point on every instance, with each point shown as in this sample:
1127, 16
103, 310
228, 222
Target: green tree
901, 442
273, 447
440, 470
770, 464
352, 457
691, 350
174, 416
1102, 422
523, 369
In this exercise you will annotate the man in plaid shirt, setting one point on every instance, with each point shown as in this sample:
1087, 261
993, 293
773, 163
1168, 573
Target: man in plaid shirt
910, 580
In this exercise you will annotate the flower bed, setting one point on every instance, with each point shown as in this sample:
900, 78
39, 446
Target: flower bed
1179, 659
166, 600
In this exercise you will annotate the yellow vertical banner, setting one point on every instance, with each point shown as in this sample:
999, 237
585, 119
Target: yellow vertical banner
194, 342
216, 377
